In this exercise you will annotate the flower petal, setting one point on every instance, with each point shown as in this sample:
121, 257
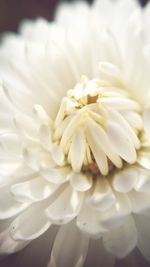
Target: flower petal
65, 207
30, 224
143, 229
122, 240
139, 201
74, 252
115, 216
34, 190
77, 155
9, 206
80, 182
88, 220
9, 245
102, 197
55, 175
124, 181
121, 143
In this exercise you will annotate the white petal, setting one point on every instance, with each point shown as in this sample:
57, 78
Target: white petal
143, 183
70, 253
109, 71
65, 207
98, 153
124, 181
55, 175
88, 221
134, 119
122, 240
80, 182
9, 206
77, 150
119, 103
100, 137
57, 154
143, 229
34, 190
147, 121
144, 159
119, 120
139, 201
116, 215
121, 142
30, 224
9, 245
45, 136
102, 196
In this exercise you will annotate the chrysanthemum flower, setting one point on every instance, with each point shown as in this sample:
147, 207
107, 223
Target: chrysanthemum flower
75, 135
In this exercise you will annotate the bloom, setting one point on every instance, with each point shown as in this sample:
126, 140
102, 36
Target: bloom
75, 148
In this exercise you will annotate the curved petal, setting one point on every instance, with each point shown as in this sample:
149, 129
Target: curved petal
88, 221
122, 240
102, 197
30, 224
9, 206
98, 256
139, 201
80, 182
9, 245
115, 216
143, 229
70, 247
33, 190
65, 207
55, 175
124, 181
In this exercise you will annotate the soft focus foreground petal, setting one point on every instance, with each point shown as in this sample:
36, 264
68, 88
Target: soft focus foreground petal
143, 229
35, 254
8, 244
122, 240
30, 224
65, 207
97, 255
70, 252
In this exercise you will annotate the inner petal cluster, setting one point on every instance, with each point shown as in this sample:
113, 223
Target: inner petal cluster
98, 127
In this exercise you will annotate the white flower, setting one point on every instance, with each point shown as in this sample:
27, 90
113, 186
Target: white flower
75, 135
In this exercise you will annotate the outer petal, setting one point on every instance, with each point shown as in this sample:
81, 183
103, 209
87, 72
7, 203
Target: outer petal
65, 207
143, 228
70, 252
122, 240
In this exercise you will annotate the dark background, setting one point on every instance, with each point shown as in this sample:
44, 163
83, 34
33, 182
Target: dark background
13, 11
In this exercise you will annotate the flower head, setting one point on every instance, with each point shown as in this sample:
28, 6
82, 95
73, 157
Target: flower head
74, 134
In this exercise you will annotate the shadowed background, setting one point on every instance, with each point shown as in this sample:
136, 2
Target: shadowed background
13, 11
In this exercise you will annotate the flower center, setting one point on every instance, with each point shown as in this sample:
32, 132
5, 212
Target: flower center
98, 127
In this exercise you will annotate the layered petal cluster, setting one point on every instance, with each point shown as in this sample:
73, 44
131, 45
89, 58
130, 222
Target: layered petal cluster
75, 133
